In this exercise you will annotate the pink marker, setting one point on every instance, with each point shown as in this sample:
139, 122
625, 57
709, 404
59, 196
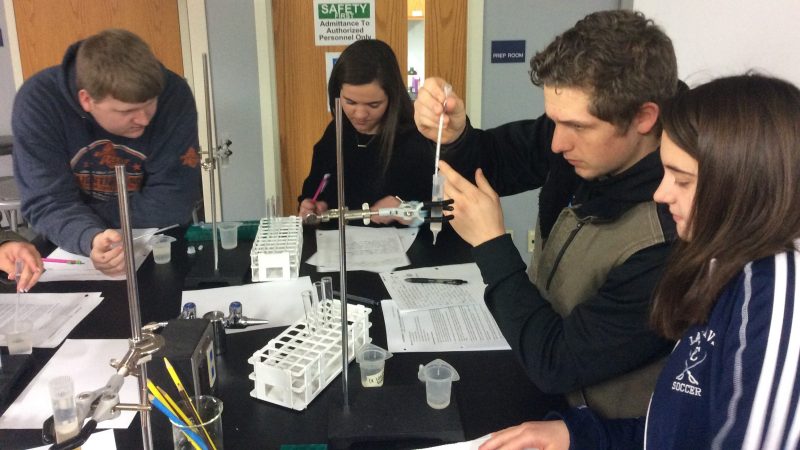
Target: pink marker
321, 186
62, 261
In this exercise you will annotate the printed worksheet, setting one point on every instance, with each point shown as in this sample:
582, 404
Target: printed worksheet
452, 329
370, 249
53, 315
428, 288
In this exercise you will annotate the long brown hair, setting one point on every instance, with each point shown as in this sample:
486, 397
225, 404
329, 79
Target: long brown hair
363, 62
744, 132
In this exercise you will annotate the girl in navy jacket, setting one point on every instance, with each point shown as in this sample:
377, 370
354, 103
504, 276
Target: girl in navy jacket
731, 156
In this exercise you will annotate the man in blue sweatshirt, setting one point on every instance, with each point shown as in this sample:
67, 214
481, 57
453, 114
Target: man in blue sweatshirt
110, 102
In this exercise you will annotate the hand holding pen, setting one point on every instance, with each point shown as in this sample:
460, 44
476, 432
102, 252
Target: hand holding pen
312, 205
322, 184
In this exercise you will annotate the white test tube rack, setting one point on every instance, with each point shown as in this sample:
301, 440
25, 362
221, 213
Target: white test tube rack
277, 249
300, 362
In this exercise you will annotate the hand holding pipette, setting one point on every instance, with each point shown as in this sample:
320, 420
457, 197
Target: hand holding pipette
12, 252
431, 102
437, 194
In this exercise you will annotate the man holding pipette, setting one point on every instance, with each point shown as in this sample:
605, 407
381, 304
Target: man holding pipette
13, 248
578, 320
110, 102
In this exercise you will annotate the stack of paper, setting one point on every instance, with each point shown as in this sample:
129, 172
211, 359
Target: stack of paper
53, 315
370, 249
435, 317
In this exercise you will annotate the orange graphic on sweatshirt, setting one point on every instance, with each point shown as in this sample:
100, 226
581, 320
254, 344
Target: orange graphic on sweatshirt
108, 156
191, 158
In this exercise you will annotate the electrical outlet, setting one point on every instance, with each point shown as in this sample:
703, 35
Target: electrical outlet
511, 232
531, 240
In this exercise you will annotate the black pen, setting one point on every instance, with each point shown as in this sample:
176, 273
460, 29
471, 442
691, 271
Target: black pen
452, 281
357, 299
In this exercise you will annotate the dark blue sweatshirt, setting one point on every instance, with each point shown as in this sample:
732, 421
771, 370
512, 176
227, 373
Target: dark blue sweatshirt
64, 161
733, 382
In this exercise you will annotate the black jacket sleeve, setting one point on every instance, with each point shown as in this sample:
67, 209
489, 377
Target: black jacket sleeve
515, 157
602, 337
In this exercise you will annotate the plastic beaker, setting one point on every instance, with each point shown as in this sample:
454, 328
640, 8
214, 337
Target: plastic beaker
162, 248
19, 337
371, 360
65, 415
210, 427
228, 234
438, 377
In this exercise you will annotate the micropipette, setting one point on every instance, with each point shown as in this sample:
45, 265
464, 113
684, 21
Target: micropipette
437, 194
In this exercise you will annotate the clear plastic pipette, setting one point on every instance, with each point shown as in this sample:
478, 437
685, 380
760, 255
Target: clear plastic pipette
437, 194
17, 274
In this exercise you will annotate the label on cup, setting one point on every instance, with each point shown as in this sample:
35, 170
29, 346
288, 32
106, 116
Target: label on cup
374, 380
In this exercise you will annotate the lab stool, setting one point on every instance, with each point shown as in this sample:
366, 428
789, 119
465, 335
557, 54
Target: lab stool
10, 202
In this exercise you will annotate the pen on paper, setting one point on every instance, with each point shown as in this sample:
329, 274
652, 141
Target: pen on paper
452, 281
62, 261
321, 187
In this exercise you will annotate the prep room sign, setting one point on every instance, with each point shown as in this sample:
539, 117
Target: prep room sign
342, 22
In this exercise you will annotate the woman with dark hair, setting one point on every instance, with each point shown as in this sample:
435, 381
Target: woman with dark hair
385, 156
731, 156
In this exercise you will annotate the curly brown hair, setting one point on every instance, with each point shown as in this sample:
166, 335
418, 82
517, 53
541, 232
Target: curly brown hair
620, 58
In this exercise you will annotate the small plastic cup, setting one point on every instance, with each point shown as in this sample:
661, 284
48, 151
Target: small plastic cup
65, 415
19, 337
228, 234
371, 360
210, 427
438, 377
162, 248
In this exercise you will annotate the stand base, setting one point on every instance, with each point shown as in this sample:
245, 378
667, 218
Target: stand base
393, 415
233, 267
14, 366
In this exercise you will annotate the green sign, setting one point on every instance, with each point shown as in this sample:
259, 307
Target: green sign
343, 11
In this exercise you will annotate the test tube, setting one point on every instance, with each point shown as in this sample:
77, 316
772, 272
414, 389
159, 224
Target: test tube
308, 302
327, 305
436, 211
318, 308
65, 415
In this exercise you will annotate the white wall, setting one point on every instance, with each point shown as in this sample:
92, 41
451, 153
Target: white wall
234, 73
724, 37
